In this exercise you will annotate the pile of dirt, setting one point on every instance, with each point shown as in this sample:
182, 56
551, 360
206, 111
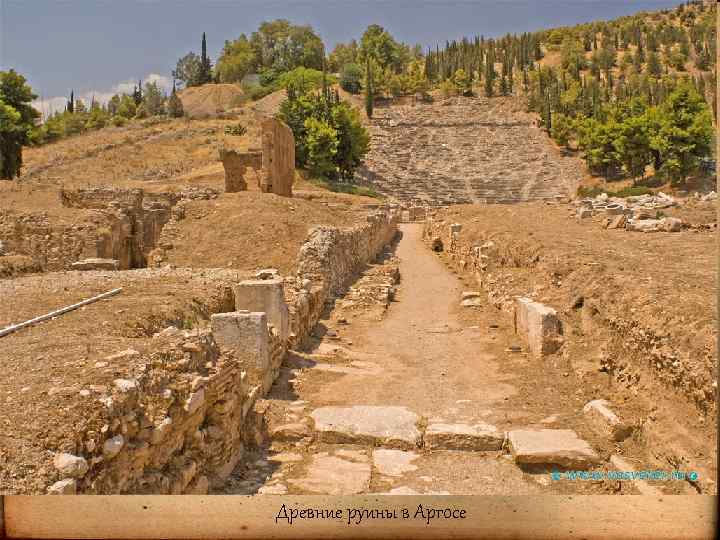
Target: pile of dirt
210, 99
251, 230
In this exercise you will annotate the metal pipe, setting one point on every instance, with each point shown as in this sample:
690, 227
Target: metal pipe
12, 328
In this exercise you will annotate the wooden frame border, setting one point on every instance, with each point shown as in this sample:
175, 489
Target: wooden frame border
234, 516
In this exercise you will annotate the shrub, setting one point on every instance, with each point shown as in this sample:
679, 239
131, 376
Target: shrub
118, 121
322, 147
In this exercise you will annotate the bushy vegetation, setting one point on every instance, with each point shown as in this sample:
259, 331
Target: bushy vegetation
330, 140
17, 121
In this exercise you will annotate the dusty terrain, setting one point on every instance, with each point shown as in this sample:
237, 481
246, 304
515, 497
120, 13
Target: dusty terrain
465, 150
638, 309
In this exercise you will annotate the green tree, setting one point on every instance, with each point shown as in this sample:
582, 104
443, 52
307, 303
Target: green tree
187, 69
205, 70
378, 45
342, 55
174, 106
322, 146
562, 129
17, 120
654, 68
153, 99
369, 89
632, 145
236, 60
684, 134
351, 78
462, 82
281, 46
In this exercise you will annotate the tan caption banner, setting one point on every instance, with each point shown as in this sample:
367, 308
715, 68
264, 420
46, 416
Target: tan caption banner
186, 516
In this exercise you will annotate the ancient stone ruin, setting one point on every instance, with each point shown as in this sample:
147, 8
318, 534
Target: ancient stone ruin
278, 160
236, 166
273, 167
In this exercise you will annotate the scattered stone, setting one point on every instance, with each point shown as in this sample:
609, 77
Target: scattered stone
70, 465
352, 455
642, 486
125, 385
290, 432
268, 273
470, 294
478, 437
63, 487
606, 420
393, 427
671, 224
394, 462
112, 446
123, 355
561, 447
331, 475
584, 213
618, 222
472, 302
275, 489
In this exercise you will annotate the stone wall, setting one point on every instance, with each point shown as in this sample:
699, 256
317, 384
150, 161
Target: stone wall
111, 223
330, 259
182, 421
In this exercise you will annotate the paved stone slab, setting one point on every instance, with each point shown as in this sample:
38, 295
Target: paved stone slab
394, 462
392, 427
561, 447
331, 475
479, 437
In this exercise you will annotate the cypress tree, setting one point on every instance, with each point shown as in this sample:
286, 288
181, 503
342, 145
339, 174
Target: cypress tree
71, 104
369, 97
205, 75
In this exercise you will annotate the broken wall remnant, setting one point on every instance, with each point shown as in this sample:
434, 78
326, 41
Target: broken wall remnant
117, 224
236, 165
278, 158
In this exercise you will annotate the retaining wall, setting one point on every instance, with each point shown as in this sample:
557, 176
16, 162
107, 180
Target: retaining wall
181, 423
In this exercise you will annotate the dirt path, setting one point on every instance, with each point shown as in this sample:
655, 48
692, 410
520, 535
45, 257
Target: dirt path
416, 401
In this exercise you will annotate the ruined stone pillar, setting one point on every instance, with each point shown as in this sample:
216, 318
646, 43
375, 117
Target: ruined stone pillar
278, 158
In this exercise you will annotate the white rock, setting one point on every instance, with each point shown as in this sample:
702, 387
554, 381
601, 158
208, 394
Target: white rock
70, 465
125, 385
560, 447
112, 446
63, 487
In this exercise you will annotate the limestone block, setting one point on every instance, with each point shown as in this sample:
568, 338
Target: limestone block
561, 447
478, 437
643, 225
538, 325
96, 264
265, 295
278, 158
246, 335
617, 222
584, 213
605, 420
236, 164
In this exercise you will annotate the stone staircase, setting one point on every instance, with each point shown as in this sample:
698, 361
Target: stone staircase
465, 150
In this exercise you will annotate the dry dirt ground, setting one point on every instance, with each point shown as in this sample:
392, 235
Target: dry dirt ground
465, 150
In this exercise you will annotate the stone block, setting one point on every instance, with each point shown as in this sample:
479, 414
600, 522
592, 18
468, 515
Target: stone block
643, 225
671, 224
63, 487
265, 295
584, 213
606, 421
96, 264
478, 437
538, 325
278, 158
559, 447
617, 222
246, 335
70, 465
